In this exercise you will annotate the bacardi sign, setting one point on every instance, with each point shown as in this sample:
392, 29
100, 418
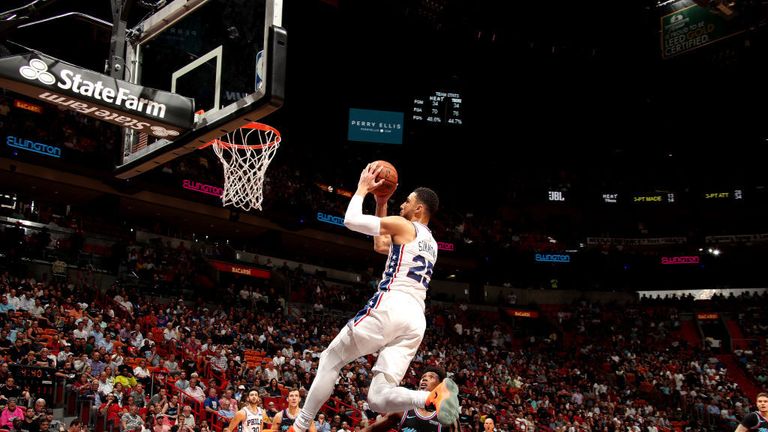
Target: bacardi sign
154, 112
240, 269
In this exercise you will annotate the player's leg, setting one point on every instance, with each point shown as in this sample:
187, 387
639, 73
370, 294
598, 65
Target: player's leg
406, 329
363, 335
385, 395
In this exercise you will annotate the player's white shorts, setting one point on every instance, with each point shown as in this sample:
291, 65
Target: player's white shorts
392, 322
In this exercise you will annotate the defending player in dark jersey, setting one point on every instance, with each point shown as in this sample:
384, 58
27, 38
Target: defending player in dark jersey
756, 420
285, 418
416, 420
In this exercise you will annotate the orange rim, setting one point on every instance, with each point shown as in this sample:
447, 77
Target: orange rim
251, 125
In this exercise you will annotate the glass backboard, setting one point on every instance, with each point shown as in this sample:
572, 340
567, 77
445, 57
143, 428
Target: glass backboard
228, 55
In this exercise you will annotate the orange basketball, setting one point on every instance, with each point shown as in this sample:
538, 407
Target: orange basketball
389, 174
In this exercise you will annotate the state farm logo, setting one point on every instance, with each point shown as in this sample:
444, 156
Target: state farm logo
162, 132
37, 70
98, 87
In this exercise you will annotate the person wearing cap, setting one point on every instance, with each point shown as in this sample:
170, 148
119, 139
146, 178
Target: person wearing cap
239, 393
11, 412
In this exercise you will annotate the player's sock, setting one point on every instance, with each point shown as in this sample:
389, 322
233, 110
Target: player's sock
300, 424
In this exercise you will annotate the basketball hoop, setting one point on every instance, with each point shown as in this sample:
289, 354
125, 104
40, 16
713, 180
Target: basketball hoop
246, 153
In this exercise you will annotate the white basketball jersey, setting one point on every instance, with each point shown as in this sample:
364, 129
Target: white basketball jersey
409, 266
253, 421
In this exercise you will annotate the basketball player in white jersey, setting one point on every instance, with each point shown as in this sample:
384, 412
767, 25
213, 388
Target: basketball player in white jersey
392, 322
285, 418
251, 416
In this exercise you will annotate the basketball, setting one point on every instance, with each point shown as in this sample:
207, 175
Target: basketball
389, 174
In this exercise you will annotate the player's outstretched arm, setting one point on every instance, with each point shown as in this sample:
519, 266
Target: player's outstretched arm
390, 421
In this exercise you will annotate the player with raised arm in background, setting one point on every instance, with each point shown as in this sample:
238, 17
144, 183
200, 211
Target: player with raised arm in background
392, 322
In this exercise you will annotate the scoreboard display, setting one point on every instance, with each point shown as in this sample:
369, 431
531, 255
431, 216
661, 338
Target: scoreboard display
654, 197
723, 195
640, 198
440, 107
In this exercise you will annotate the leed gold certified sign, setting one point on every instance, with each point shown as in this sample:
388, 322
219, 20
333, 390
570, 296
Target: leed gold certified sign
691, 28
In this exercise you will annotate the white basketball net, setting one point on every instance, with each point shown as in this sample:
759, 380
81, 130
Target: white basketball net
246, 153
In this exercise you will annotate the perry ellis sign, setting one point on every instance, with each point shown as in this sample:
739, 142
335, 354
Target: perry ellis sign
154, 112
